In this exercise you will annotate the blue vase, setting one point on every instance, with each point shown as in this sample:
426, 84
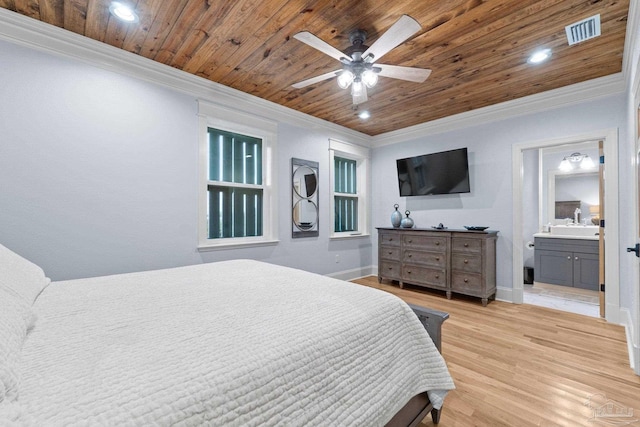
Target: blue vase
396, 217
407, 222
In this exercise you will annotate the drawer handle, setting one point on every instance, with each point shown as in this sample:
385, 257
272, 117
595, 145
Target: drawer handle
437, 243
569, 258
409, 272
466, 280
466, 261
437, 258
576, 258
466, 245
437, 276
390, 252
390, 239
409, 240
390, 268
410, 255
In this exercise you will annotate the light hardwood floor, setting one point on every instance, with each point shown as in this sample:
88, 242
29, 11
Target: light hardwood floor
524, 365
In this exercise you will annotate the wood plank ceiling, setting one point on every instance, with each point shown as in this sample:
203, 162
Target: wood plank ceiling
476, 49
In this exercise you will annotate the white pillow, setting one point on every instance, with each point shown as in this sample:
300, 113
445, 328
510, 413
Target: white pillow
20, 276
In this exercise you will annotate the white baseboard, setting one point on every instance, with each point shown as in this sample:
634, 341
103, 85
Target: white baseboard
355, 273
507, 294
633, 347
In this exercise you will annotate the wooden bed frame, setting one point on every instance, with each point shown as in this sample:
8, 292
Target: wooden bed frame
419, 406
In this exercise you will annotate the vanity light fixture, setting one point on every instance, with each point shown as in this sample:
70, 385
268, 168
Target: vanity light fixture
576, 161
123, 11
539, 56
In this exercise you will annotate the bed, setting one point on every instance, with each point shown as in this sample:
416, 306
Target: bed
233, 343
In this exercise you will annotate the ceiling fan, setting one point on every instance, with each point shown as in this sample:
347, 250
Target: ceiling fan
359, 68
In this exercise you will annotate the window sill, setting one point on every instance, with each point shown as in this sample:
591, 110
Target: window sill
232, 245
348, 236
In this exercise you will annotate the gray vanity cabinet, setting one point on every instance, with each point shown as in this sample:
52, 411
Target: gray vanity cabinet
567, 262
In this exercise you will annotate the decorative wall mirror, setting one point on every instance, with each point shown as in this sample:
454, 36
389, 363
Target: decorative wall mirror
304, 197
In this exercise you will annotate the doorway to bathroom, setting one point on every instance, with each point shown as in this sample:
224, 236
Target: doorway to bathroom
540, 193
562, 255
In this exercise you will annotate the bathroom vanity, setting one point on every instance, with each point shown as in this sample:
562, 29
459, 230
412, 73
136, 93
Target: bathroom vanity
568, 256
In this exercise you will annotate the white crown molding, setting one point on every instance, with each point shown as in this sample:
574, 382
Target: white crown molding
31, 33
568, 95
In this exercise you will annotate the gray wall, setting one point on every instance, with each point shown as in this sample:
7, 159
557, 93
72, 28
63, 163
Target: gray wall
98, 175
490, 162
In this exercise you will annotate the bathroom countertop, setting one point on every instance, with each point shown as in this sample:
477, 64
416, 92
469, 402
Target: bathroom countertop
562, 236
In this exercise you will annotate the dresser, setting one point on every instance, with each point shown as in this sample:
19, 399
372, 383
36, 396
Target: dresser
454, 261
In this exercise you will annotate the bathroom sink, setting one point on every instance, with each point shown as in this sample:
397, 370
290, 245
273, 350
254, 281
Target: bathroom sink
574, 230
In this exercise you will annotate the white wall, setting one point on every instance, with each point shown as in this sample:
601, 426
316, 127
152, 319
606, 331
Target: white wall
98, 174
490, 200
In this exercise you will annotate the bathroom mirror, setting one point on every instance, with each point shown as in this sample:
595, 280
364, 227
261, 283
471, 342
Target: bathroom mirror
568, 191
575, 185
304, 197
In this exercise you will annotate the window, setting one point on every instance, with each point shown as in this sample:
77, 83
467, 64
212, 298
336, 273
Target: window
349, 182
345, 195
235, 185
235, 193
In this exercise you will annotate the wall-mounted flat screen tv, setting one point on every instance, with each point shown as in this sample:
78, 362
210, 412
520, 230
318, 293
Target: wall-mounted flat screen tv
446, 172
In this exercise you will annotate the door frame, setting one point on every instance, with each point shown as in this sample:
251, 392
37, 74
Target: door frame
612, 234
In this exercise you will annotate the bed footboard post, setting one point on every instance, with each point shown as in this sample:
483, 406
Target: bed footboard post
432, 321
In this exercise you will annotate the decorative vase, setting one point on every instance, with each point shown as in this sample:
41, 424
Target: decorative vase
406, 222
396, 217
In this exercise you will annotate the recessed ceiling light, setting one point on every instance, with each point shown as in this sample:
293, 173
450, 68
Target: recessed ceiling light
123, 12
364, 115
539, 56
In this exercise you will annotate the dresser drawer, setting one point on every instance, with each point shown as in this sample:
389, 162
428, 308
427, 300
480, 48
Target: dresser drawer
389, 238
432, 259
390, 270
459, 244
466, 262
391, 253
466, 282
427, 243
423, 275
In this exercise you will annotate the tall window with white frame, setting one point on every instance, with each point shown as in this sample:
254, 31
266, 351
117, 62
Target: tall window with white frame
237, 192
349, 166
235, 185
345, 195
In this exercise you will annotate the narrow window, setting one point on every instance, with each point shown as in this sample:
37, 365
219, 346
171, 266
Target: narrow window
349, 186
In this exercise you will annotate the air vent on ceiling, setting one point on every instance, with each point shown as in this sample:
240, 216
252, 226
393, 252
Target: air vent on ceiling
583, 30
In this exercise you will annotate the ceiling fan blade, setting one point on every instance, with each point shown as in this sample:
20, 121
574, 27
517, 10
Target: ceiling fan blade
317, 43
411, 74
404, 28
361, 97
316, 79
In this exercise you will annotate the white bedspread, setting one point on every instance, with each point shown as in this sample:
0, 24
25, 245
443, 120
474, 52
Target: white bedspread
237, 343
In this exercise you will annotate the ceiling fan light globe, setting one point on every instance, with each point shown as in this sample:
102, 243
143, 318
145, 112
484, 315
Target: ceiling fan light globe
369, 78
357, 88
345, 78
